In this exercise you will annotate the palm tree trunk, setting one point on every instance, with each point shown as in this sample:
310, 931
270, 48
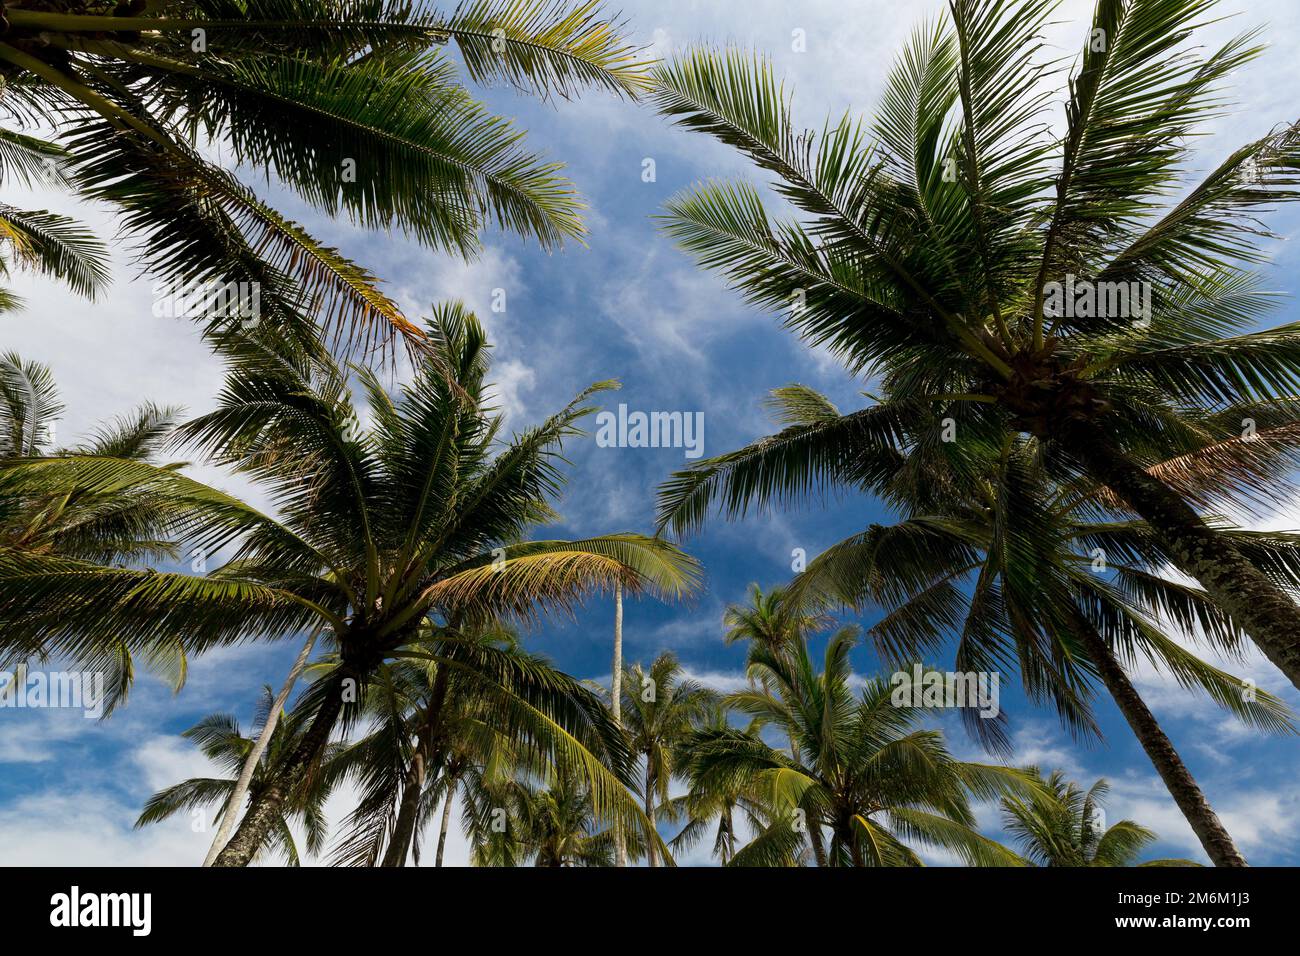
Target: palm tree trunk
399, 844
446, 820
815, 838
616, 701
237, 796
651, 856
265, 809
1259, 606
1178, 779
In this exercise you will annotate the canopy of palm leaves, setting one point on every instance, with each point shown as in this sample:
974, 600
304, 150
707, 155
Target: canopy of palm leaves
660, 707
104, 525
1011, 570
1061, 825
351, 104
549, 820
477, 716
418, 518
219, 738
859, 769
922, 244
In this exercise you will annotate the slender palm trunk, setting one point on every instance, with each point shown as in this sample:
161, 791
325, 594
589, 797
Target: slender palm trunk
399, 844
237, 796
815, 838
616, 702
727, 835
446, 820
1182, 786
651, 856
1263, 609
266, 807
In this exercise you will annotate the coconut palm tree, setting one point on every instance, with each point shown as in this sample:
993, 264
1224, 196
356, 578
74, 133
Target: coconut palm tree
1061, 825
552, 822
936, 246
108, 525
416, 521
120, 525
862, 771
454, 714
350, 104
722, 807
1015, 572
38, 240
220, 739
661, 706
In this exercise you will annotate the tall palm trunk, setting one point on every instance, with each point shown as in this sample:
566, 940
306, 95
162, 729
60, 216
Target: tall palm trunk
815, 838
265, 809
238, 795
1259, 606
399, 844
446, 820
651, 856
1178, 779
616, 694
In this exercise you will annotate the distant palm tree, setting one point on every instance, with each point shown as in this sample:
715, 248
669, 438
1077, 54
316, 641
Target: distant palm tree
415, 522
220, 739
40, 241
861, 772
116, 524
770, 620
451, 715
552, 822
351, 104
1061, 825
925, 245
108, 525
1012, 570
660, 708
723, 806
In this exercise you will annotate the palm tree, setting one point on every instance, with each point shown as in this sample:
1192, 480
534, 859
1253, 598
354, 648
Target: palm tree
107, 525
453, 714
861, 769
771, 620
727, 802
616, 699
1017, 572
219, 737
40, 241
414, 522
927, 244
661, 706
553, 823
351, 104
1061, 825
116, 525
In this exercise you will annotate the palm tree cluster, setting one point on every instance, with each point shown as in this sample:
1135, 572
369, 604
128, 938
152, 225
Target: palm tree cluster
1049, 467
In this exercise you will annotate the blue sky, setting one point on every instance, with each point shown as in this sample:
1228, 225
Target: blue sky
631, 307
